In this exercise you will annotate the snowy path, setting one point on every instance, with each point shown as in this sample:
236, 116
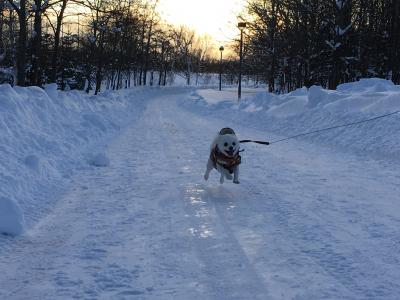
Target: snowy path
304, 223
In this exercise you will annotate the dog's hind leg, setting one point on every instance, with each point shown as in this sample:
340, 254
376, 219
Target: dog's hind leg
236, 175
221, 179
210, 166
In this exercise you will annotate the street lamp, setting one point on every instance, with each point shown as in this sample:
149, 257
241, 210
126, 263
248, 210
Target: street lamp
241, 26
220, 68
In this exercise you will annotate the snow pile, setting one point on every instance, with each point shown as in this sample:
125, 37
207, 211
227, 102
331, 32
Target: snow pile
307, 110
46, 135
11, 217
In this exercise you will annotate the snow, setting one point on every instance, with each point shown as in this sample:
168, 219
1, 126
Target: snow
339, 31
33, 162
303, 111
11, 217
332, 45
214, 96
100, 160
340, 4
47, 134
313, 218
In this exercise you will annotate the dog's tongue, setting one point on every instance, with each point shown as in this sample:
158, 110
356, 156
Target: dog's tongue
230, 153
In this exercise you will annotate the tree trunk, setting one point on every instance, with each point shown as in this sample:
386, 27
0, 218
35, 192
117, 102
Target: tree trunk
271, 80
21, 44
161, 64
57, 35
100, 63
343, 20
143, 33
36, 76
395, 42
1, 27
188, 71
147, 54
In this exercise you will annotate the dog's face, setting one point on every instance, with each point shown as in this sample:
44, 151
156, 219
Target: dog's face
228, 144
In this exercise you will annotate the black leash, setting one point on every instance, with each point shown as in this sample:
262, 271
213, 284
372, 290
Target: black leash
257, 142
320, 130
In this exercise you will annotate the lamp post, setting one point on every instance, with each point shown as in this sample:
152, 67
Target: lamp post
241, 26
221, 49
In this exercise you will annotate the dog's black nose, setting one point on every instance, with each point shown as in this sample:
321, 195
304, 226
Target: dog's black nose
231, 148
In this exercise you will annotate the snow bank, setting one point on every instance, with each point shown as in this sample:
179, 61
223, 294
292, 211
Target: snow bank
45, 135
307, 110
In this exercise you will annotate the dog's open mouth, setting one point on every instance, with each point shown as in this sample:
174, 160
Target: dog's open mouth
230, 152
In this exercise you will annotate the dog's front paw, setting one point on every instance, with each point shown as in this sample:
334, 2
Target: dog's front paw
206, 176
236, 181
221, 179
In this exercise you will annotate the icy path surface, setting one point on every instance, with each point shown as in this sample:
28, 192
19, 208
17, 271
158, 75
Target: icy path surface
304, 223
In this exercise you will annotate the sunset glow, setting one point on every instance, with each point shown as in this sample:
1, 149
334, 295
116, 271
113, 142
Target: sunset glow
216, 18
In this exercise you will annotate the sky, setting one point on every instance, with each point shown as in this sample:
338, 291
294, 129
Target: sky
217, 18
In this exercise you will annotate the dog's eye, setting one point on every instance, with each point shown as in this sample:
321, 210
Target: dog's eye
226, 144
234, 144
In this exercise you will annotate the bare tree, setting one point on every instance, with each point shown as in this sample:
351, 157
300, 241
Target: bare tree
59, 13
395, 41
21, 9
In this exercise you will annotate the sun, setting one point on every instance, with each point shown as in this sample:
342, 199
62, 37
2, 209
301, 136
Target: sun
216, 18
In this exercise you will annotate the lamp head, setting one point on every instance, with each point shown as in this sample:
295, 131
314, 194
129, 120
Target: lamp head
242, 25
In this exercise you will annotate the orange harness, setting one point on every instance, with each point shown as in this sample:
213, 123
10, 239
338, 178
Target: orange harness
227, 162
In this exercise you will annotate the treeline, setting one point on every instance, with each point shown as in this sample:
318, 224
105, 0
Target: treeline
92, 44
87, 44
295, 43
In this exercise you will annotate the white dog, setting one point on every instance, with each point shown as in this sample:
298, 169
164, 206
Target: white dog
224, 156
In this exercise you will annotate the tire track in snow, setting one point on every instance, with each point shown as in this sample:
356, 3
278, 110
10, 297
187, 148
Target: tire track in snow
231, 274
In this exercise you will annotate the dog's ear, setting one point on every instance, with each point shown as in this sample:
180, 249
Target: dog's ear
226, 130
